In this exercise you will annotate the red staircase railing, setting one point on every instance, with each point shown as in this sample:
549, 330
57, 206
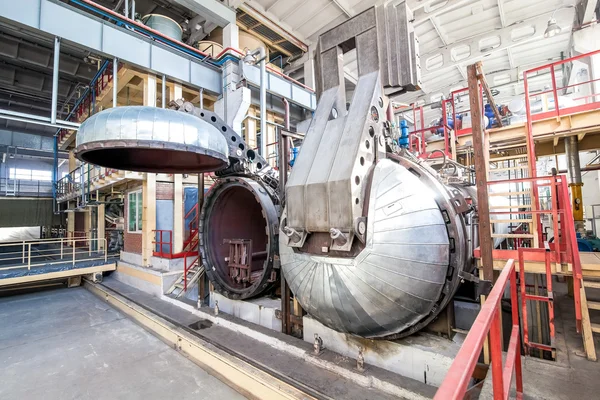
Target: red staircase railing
193, 239
186, 268
455, 384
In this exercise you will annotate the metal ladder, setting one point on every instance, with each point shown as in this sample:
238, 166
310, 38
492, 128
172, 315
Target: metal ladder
549, 298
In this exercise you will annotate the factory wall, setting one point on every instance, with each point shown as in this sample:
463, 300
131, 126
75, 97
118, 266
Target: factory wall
132, 241
164, 216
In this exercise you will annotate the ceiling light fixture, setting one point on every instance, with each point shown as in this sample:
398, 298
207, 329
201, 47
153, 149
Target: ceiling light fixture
553, 28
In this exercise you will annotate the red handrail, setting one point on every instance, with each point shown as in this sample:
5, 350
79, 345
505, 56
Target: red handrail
186, 268
489, 321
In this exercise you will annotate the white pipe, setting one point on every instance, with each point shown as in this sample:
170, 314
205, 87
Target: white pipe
263, 98
133, 10
126, 10
115, 78
201, 97
164, 92
55, 80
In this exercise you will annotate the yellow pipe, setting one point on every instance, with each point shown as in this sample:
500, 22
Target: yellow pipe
577, 201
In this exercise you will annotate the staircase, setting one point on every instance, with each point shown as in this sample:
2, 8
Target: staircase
589, 327
191, 243
187, 279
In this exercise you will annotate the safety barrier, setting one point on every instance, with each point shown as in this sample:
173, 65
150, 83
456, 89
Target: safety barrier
39, 253
455, 385
25, 188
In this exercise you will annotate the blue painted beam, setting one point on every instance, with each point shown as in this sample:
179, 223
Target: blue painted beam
86, 31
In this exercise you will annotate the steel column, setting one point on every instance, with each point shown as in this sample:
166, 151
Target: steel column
55, 71
115, 80
164, 92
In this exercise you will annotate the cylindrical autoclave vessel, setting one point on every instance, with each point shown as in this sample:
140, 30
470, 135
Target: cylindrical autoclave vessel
372, 241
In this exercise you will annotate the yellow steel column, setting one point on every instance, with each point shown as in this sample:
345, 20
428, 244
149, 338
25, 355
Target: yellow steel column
148, 217
149, 186
175, 93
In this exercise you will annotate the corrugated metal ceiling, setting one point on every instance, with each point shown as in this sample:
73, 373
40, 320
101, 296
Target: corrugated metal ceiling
474, 24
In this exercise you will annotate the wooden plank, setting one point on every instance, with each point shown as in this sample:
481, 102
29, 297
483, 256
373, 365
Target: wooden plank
593, 305
595, 328
591, 284
488, 94
588, 338
513, 235
517, 168
517, 157
512, 221
510, 193
480, 158
511, 207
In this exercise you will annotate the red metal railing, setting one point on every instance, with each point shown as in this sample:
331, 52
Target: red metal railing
548, 299
186, 268
417, 139
163, 239
564, 247
546, 76
456, 383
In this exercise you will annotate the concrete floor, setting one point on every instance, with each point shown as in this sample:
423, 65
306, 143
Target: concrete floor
68, 344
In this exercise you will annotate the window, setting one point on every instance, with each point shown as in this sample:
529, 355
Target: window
29, 175
134, 217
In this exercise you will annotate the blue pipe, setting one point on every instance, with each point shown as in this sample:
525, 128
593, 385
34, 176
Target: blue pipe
55, 168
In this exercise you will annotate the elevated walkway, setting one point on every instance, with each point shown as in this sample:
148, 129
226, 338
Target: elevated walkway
547, 133
28, 262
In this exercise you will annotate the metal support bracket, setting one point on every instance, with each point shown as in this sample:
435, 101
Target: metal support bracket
483, 287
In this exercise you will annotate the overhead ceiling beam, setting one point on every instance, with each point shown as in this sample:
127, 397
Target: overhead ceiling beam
345, 7
511, 59
422, 13
272, 5
538, 23
437, 28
